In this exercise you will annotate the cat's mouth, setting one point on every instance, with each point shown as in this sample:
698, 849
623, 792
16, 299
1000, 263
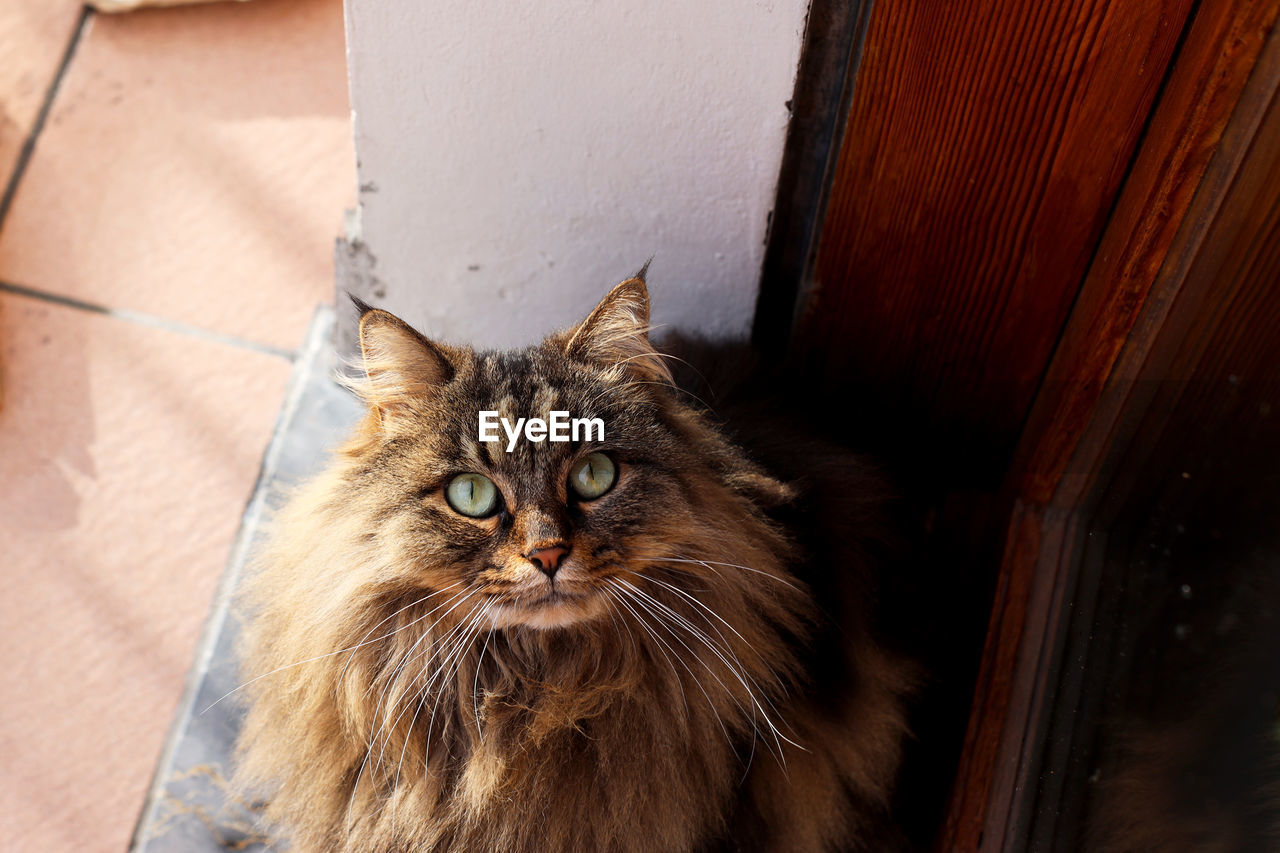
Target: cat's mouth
556, 608
556, 596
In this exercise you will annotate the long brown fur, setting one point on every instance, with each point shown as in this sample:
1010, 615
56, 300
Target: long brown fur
409, 692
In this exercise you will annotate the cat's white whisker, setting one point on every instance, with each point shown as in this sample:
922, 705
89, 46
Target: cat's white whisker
444, 648
474, 622
664, 622
619, 623
343, 674
711, 612
420, 700
708, 563
358, 645
777, 678
465, 641
754, 690
735, 666
391, 679
386, 702
662, 649
426, 632
653, 634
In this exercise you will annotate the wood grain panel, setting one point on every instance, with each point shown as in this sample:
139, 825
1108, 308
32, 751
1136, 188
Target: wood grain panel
1179, 429
1191, 472
1207, 453
1207, 82
985, 145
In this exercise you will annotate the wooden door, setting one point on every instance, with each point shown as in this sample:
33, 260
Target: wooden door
1016, 218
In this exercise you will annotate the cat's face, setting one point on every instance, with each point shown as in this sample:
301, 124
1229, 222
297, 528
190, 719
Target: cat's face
533, 535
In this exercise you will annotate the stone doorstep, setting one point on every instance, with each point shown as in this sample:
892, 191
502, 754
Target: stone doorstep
189, 808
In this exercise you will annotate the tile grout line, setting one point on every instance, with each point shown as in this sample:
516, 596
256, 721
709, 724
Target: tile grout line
150, 320
46, 106
11, 191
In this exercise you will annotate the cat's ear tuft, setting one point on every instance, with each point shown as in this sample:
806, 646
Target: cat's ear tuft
616, 333
401, 367
362, 307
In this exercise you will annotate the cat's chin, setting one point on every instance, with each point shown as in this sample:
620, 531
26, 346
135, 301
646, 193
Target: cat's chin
548, 615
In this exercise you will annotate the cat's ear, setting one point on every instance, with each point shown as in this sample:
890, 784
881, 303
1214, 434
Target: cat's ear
616, 333
401, 367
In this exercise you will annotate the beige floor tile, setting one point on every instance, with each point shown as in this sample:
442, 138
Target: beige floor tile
127, 455
195, 166
33, 37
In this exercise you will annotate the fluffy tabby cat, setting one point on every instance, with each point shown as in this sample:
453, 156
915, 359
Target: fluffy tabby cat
619, 646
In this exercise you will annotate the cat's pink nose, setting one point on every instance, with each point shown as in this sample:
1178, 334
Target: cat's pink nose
548, 559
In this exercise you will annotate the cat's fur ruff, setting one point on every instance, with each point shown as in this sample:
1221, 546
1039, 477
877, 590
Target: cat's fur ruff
705, 700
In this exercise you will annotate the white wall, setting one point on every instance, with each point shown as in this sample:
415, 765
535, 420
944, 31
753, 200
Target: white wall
518, 158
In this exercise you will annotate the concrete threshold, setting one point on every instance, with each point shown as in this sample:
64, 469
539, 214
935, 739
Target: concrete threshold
190, 808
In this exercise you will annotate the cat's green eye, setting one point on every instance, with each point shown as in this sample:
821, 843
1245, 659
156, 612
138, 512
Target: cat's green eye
472, 495
592, 476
